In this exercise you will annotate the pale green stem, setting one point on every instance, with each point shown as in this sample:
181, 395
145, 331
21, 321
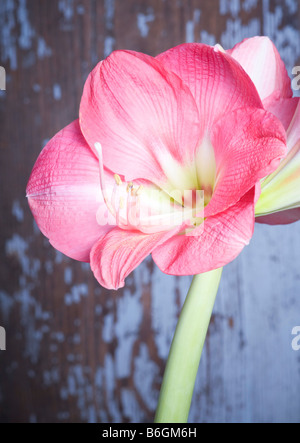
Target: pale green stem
186, 349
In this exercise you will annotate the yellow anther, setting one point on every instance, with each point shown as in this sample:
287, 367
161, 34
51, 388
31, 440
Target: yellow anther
129, 186
136, 191
118, 180
139, 190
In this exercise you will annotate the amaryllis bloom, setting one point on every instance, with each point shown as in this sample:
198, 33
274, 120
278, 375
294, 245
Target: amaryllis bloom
189, 120
279, 202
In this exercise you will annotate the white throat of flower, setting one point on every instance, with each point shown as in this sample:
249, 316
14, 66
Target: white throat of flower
150, 209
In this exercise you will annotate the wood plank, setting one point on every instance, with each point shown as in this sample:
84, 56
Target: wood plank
79, 353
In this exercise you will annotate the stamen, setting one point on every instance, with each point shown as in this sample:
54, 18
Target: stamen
133, 206
118, 180
129, 187
115, 197
98, 148
121, 203
117, 202
137, 191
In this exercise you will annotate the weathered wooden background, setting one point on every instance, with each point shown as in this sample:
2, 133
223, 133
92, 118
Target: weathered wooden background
76, 352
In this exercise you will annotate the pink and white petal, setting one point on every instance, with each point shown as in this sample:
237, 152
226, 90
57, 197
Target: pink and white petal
248, 144
220, 240
119, 252
218, 83
262, 62
280, 218
293, 133
281, 190
141, 114
283, 108
65, 197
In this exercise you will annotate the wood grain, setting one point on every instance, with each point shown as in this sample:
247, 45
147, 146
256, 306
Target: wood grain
79, 353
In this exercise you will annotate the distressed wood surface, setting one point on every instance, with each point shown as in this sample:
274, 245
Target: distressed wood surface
76, 352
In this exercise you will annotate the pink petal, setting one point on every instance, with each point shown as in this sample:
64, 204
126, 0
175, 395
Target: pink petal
217, 82
64, 194
261, 60
220, 240
293, 133
292, 160
249, 144
280, 190
141, 115
283, 108
119, 252
280, 218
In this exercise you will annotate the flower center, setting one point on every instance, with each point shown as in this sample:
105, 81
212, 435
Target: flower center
180, 200
198, 174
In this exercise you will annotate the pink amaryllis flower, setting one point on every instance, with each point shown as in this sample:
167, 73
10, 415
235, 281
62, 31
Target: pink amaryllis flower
190, 119
279, 202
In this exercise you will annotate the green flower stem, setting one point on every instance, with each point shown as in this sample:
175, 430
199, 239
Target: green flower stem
186, 349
